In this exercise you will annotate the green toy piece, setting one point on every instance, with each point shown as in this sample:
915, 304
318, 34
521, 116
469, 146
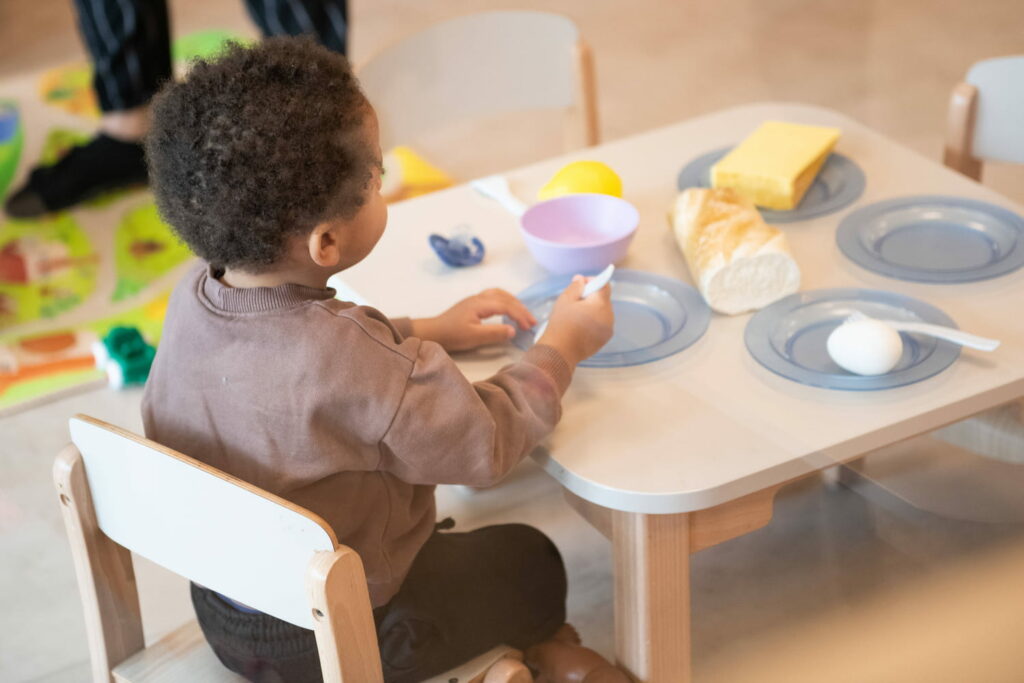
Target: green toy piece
125, 355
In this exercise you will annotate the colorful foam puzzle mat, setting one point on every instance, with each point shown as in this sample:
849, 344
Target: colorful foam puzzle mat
67, 279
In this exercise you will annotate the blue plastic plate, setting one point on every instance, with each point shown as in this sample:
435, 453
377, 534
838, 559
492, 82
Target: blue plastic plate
839, 183
934, 239
789, 338
655, 317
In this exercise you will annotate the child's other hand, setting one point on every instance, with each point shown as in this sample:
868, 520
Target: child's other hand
461, 327
578, 328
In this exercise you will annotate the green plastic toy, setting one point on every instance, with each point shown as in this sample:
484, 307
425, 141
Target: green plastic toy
125, 356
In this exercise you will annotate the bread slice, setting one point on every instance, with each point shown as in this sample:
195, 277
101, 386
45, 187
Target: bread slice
739, 262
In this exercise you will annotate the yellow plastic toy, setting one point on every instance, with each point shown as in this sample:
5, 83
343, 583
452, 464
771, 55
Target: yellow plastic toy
582, 177
407, 174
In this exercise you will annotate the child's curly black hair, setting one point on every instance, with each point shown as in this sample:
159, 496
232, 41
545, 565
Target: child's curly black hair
258, 144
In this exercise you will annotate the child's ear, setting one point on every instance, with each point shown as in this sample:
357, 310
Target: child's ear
324, 244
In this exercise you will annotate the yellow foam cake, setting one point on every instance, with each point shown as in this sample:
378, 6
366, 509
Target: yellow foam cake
776, 164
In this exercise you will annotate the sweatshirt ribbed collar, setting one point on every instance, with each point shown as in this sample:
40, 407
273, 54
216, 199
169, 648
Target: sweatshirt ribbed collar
257, 299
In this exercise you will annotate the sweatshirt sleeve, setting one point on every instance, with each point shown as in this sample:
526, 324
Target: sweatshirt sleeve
449, 431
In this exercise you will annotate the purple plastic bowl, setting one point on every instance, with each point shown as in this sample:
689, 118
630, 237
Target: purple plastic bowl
578, 233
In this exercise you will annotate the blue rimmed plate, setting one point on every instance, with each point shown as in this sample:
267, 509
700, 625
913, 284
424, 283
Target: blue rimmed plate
839, 183
933, 238
789, 338
655, 317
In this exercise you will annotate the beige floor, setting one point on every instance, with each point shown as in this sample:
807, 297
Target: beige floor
888, 63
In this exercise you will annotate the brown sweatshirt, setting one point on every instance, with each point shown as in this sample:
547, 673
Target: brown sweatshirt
331, 406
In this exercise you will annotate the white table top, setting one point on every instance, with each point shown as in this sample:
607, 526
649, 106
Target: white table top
709, 425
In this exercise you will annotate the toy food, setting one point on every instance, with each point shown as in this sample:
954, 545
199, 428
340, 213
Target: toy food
582, 177
865, 347
776, 164
738, 262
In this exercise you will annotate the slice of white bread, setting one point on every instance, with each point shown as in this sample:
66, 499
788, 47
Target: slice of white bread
739, 262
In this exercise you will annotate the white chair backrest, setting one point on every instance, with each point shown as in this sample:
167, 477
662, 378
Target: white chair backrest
999, 121
472, 66
201, 523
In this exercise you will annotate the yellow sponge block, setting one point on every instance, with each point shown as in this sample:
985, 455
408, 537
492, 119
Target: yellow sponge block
776, 164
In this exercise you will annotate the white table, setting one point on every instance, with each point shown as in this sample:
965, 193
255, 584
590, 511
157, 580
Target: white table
683, 453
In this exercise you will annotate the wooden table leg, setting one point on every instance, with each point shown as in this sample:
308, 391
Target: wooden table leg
652, 595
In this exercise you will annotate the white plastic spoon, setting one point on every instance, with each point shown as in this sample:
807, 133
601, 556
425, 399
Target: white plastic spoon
496, 187
596, 283
971, 341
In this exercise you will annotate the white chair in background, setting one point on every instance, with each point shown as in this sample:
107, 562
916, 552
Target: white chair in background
986, 123
121, 493
986, 116
482, 65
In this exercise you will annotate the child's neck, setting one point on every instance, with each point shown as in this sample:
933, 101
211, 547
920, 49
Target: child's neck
275, 278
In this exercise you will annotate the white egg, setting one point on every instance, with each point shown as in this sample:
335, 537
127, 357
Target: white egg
865, 347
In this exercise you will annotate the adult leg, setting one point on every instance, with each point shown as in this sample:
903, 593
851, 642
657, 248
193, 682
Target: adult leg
129, 42
325, 20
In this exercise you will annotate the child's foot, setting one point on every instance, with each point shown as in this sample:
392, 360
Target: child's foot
100, 165
568, 634
563, 660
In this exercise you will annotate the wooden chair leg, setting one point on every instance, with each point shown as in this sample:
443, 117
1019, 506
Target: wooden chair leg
343, 618
582, 127
106, 578
960, 131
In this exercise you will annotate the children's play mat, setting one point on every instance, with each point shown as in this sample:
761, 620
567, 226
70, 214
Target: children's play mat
67, 279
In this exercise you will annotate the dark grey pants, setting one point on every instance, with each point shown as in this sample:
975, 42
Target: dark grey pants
130, 44
465, 594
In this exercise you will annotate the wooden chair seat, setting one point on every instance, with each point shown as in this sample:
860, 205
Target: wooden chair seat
181, 655
184, 655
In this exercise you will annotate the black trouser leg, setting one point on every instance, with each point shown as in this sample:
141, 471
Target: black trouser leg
130, 44
465, 593
325, 20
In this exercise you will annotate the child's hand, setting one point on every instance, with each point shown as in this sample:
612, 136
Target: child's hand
461, 327
578, 328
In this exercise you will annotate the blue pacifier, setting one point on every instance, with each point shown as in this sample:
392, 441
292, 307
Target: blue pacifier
462, 249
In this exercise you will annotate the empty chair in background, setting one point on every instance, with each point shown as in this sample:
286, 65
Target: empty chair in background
479, 66
986, 116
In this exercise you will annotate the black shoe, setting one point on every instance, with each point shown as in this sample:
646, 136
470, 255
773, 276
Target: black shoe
100, 165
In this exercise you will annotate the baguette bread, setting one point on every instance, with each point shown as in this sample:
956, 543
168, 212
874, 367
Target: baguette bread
739, 262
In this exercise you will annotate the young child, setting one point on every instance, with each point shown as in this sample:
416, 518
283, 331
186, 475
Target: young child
267, 163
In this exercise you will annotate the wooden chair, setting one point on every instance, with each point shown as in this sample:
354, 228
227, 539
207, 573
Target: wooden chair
121, 493
482, 65
985, 115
